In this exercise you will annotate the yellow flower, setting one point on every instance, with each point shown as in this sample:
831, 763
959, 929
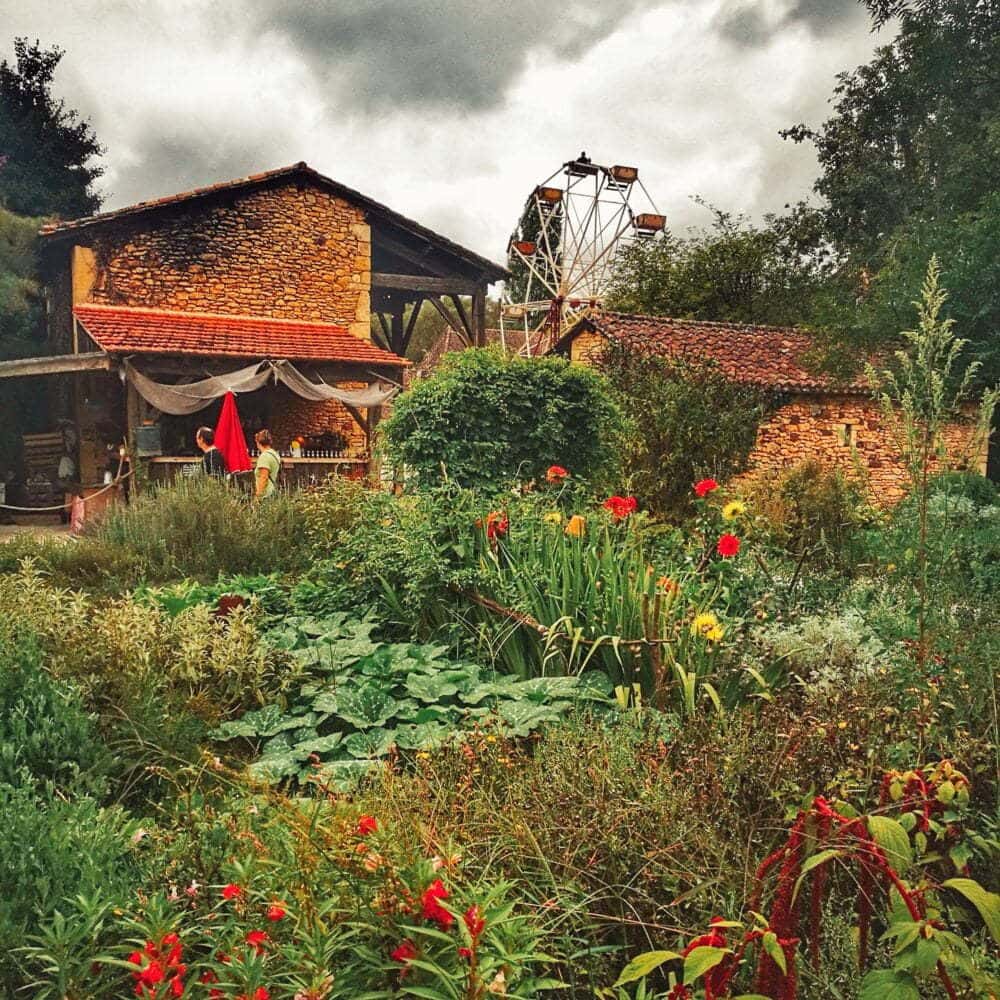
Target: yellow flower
553, 517
707, 626
576, 526
733, 510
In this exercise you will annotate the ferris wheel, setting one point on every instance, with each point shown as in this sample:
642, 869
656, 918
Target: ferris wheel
562, 256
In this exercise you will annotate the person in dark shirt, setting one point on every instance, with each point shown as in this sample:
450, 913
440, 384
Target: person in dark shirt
212, 461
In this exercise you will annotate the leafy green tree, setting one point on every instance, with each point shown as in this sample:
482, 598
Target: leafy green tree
683, 420
916, 131
485, 420
734, 271
47, 151
21, 329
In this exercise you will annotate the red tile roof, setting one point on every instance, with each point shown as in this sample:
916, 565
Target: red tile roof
133, 330
772, 357
376, 211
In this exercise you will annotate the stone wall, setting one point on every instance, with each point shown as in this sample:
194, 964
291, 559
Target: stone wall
290, 252
292, 415
846, 432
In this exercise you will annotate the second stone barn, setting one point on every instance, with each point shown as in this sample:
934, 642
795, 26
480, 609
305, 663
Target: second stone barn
284, 270
811, 417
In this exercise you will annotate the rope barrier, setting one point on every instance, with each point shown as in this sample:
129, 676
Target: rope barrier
118, 480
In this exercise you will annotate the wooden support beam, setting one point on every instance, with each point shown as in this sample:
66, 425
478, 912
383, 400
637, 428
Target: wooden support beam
56, 365
479, 316
411, 324
460, 309
386, 332
448, 318
424, 283
396, 341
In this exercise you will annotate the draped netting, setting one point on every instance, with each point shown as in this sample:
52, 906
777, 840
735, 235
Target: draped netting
181, 400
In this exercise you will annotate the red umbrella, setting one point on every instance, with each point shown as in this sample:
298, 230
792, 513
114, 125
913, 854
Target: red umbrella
229, 437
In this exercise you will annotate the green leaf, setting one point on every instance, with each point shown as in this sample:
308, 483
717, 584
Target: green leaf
701, 960
987, 903
366, 706
426, 736
321, 744
436, 687
276, 766
888, 984
373, 743
814, 861
342, 775
643, 965
777, 953
892, 838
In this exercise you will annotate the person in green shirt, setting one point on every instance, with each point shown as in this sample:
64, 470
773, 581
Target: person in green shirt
268, 467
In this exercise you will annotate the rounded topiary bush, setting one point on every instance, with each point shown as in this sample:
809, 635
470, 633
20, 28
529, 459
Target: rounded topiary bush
486, 420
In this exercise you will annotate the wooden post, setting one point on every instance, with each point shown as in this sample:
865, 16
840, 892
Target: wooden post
131, 423
479, 316
397, 339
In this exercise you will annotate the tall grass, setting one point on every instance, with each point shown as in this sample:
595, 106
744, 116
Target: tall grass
202, 527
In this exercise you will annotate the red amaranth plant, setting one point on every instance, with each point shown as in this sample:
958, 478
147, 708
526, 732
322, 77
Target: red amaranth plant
878, 846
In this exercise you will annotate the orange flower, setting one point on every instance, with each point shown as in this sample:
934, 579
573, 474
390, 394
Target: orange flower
576, 526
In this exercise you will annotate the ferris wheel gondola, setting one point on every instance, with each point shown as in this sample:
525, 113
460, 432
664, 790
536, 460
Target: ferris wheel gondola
563, 254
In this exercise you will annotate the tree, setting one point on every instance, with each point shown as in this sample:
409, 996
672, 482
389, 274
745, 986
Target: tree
486, 420
47, 151
733, 272
21, 328
915, 132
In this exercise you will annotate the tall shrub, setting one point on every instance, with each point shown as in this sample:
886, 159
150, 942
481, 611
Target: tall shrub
927, 389
485, 420
684, 419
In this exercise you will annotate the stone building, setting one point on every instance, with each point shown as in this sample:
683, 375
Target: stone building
287, 266
812, 417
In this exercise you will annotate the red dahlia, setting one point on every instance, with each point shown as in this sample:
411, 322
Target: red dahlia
705, 486
728, 545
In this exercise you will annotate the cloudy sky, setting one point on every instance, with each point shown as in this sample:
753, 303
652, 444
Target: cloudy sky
450, 111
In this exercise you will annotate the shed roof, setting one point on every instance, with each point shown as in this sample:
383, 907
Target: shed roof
133, 330
771, 357
377, 212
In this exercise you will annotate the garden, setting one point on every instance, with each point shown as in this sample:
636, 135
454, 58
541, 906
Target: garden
541, 724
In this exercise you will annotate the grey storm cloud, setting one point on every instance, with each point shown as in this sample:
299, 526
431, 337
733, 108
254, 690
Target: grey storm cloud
432, 54
748, 24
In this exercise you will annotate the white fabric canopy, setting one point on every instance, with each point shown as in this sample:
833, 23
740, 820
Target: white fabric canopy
184, 399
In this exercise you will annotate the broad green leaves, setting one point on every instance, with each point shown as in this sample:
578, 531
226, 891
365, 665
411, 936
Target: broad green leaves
364, 698
644, 964
986, 902
888, 984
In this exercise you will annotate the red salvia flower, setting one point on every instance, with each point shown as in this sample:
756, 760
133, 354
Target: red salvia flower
705, 486
231, 891
275, 912
431, 908
728, 545
555, 474
404, 951
474, 921
367, 825
257, 940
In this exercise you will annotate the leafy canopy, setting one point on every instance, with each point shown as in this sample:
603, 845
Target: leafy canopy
47, 150
486, 420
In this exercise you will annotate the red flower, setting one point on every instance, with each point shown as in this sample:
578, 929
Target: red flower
496, 525
257, 940
430, 907
555, 474
367, 825
728, 545
475, 921
705, 486
621, 507
208, 976
177, 986
404, 951
152, 974
135, 958
261, 994
465, 953
275, 912
231, 891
